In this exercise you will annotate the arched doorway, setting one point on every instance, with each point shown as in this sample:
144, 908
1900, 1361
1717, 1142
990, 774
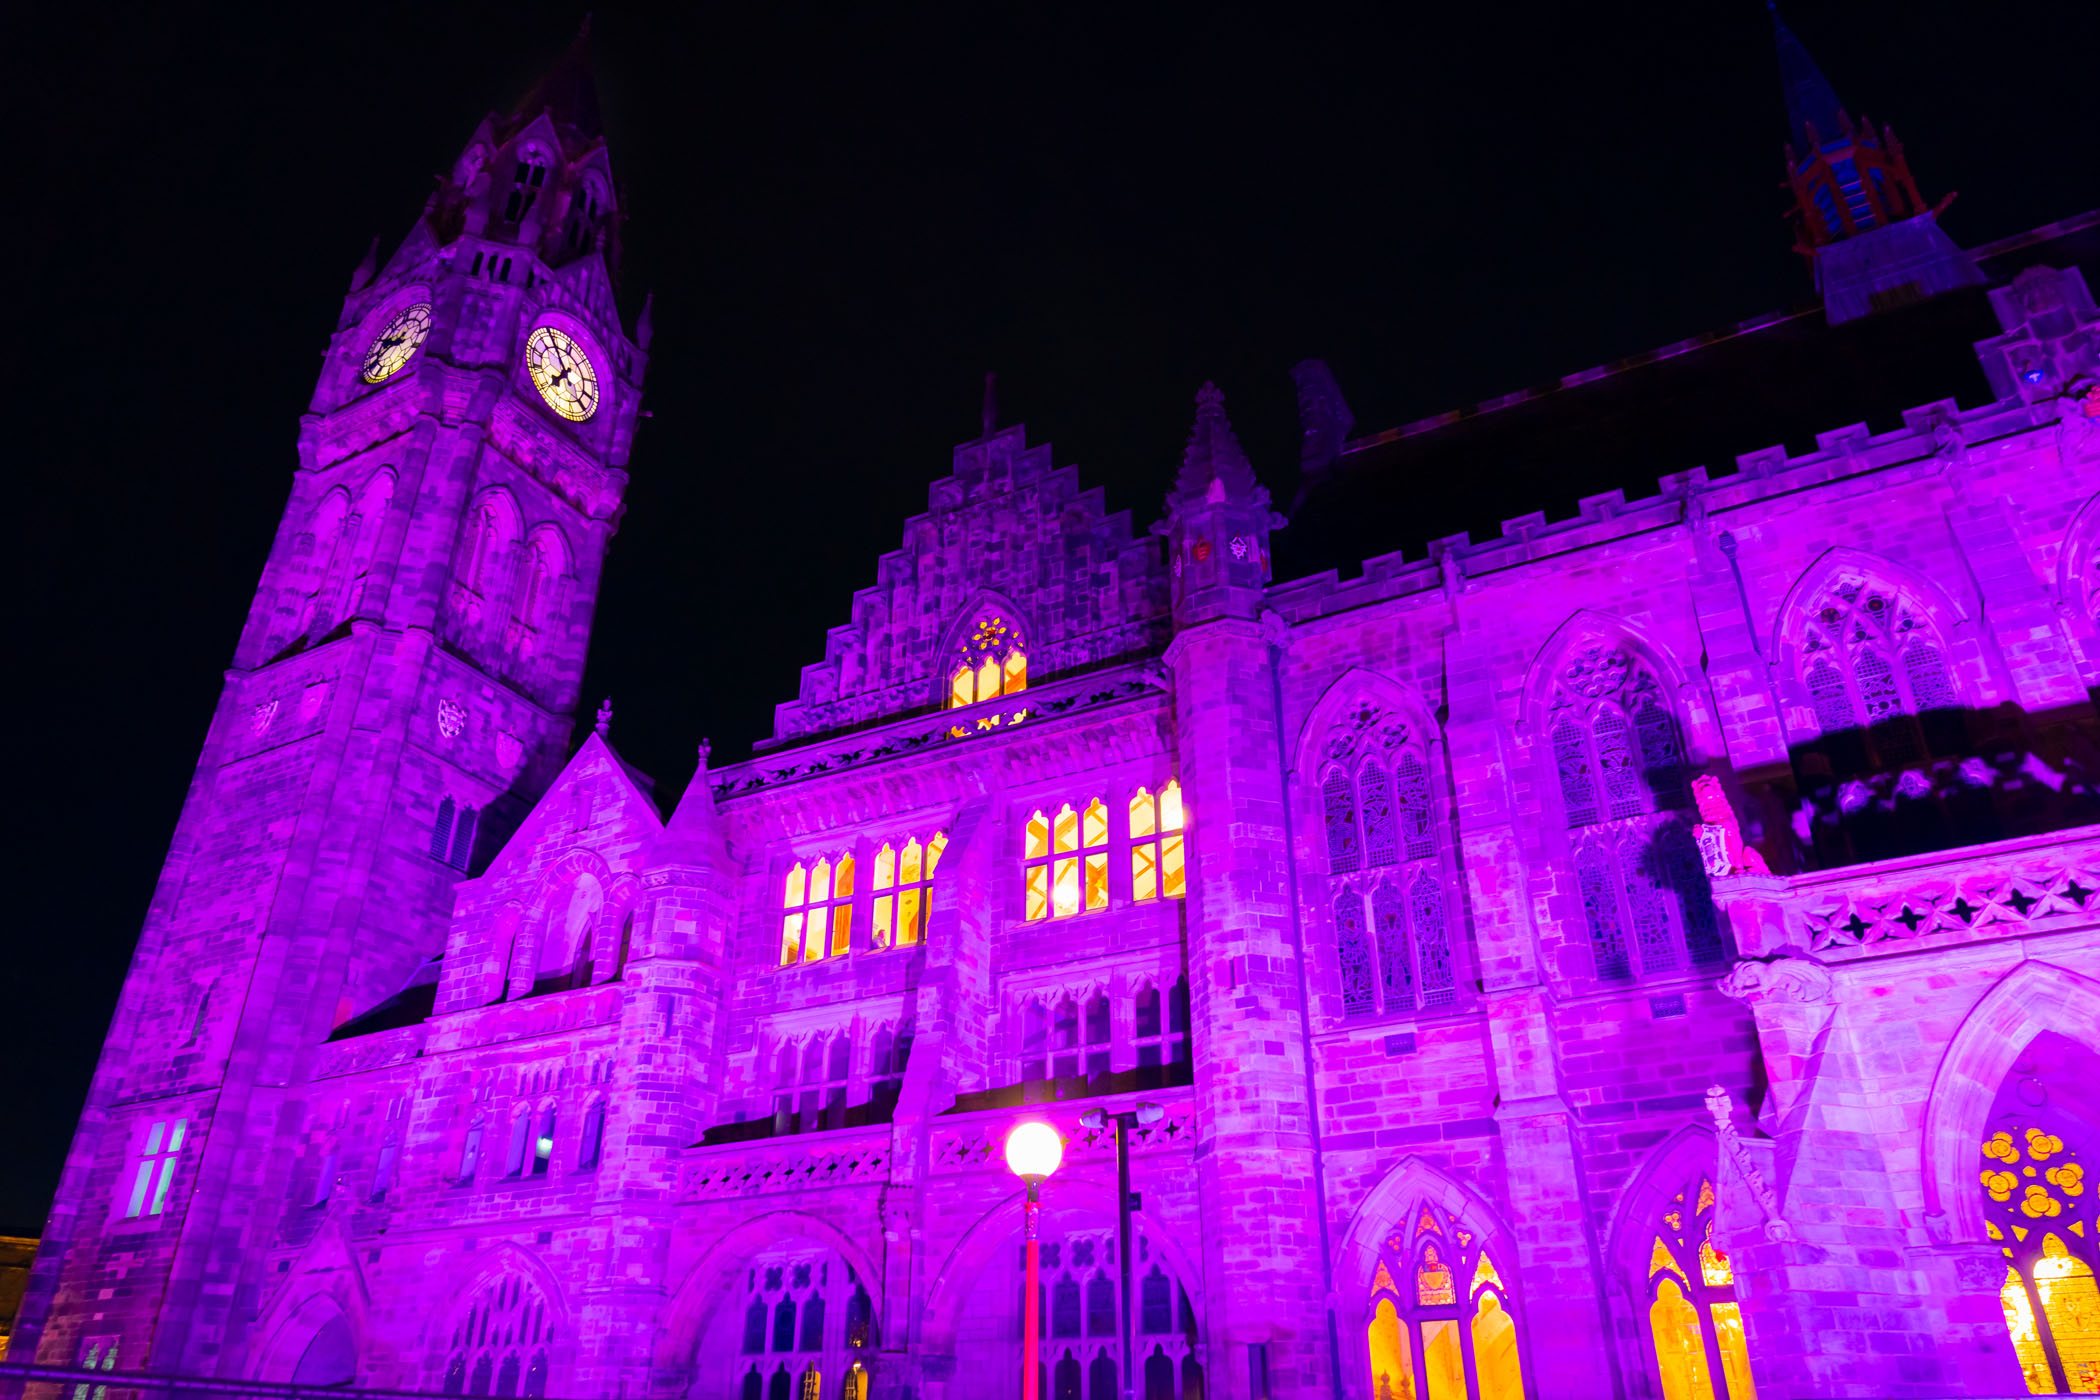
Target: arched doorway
330, 1358
2035, 1173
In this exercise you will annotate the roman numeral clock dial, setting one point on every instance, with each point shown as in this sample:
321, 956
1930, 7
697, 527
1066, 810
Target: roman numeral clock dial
397, 344
562, 373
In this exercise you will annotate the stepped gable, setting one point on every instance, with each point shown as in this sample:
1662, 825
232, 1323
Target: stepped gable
1006, 534
1789, 378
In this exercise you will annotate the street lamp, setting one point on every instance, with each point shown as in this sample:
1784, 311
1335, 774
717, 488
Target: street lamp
1033, 1150
1094, 1120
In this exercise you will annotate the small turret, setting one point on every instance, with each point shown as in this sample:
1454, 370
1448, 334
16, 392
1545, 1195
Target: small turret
1218, 521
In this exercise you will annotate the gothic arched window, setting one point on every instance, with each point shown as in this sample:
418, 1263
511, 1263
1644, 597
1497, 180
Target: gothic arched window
1441, 1324
506, 1332
1693, 1317
2036, 1177
1619, 763
1870, 660
1078, 1308
1392, 928
993, 663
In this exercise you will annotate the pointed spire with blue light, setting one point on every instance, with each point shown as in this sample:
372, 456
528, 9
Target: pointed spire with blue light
1812, 112
1858, 217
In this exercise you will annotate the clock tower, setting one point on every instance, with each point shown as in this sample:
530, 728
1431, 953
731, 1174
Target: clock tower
405, 686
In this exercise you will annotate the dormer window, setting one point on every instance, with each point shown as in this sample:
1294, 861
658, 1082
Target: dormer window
992, 664
526, 183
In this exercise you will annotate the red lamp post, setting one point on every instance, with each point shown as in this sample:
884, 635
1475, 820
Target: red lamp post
1033, 1151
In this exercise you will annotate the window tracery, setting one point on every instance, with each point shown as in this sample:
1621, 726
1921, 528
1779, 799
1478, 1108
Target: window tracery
1619, 765
1388, 891
501, 1346
1442, 1323
806, 1317
1871, 660
1694, 1319
993, 663
1078, 1316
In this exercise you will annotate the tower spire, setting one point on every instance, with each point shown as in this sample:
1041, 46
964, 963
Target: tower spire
1858, 216
1813, 115
568, 94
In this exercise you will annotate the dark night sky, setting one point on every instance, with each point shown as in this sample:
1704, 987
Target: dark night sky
846, 221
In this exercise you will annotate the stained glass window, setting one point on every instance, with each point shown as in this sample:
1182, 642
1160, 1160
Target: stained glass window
1662, 762
1693, 1316
1653, 938
1874, 662
1826, 691
992, 663
1600, 910
1402, 961
1430, 1338
1432, 939
1644, 907
1375, 794
1571, 760
2038, 1196
1622, 779
1354, 954
1338, 804
1411, 776
1396, 972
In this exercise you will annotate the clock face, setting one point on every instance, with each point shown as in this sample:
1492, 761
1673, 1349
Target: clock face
562, 373
397, 342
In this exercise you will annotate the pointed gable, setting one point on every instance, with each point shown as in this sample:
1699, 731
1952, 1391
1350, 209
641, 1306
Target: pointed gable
595, 820
1009, 535
597, 803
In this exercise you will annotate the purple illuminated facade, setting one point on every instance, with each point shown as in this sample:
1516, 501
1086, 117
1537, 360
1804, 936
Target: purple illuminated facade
1655, 952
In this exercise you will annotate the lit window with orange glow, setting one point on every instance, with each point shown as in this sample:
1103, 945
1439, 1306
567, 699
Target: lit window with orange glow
903, 890
993, 663
1694, 1320
2039, 1210
1065, 861
1156, 859
1442, 1322
818, 910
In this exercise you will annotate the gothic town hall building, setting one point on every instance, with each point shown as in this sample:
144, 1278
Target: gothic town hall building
1654, 952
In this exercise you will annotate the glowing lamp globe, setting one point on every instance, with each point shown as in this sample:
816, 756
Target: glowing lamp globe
1033, 1149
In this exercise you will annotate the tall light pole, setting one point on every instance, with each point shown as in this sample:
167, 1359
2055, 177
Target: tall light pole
1095, 1119
1033, 1151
